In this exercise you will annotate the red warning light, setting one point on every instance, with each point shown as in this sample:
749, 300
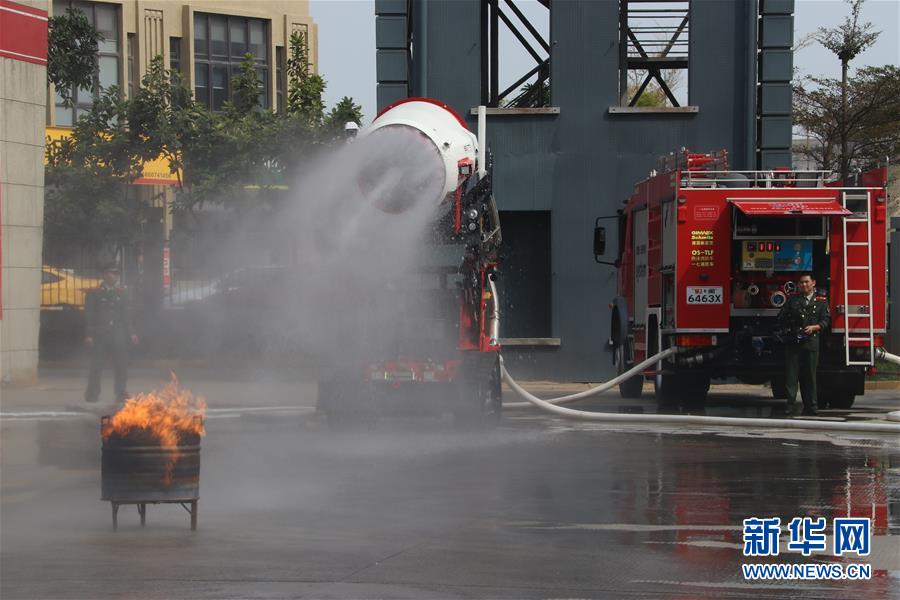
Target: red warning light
777, 247
770, 246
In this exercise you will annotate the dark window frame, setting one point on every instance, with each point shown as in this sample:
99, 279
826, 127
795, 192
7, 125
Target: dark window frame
280, 65
132, 64
493, 12
214, 63
80, 104
175, 46
653, 38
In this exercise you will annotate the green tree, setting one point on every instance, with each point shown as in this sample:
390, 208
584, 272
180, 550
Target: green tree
532, 95
71, 53
86, 193
305, 89
163, 118
345, 111
847, 41
854, 123
245, 87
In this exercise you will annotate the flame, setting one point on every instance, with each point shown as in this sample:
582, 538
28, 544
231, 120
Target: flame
166, 415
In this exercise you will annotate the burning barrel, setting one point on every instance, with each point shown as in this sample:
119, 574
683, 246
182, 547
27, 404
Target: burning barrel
151, 452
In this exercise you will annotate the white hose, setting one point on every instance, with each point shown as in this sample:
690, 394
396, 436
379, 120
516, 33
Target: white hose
882, 354
635, 370
584, 415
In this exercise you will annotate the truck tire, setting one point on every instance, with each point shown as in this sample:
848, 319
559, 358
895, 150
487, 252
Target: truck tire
344, 405
630, 388
481, 397
779, 391
675, 389
841, 399
839, 390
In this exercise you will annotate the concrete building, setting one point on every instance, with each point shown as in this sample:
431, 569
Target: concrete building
23, 96
605, 110
203, 39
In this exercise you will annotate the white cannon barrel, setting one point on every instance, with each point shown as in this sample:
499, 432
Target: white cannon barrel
416, 146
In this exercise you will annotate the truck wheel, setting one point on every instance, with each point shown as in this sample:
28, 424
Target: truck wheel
669, 390
779, 391
696, 389
630, 388
841, 400
481, 402
674, 389
344, 405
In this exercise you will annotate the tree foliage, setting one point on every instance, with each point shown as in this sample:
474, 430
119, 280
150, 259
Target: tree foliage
71, 53
345, 111
86, 191
239, 157
531, 95
245, 88
851, 37
305, 89
870, 123
847, 41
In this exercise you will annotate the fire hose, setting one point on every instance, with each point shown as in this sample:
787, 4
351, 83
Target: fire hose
882, 354
552, 406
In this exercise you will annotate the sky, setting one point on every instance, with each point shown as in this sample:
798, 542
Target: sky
347, 42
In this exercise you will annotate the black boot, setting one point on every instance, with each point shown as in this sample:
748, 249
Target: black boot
810, 410
790, 409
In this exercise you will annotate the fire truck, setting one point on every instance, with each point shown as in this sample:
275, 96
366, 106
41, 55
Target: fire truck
428, 340
707, 257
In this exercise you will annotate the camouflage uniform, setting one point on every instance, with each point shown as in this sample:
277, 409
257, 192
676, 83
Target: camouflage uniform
801, 351
108, 318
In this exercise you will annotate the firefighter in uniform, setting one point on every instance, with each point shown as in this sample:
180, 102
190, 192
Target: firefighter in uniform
108, 333
802, 318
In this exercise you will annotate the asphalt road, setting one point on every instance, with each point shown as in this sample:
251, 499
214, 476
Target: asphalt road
416, 509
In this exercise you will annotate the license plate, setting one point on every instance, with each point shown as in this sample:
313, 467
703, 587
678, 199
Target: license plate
704, 295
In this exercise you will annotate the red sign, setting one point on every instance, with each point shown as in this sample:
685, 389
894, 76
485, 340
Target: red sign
23, 33
706, 213
167, 268
790, 208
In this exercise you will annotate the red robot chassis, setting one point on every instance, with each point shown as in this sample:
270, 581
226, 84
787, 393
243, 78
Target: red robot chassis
708, 256
442, 354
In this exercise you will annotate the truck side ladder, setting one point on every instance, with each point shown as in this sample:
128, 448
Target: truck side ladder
859, 223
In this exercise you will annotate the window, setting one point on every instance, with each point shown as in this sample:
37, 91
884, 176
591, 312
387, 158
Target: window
220, 43
515, 57
653, 53
132, 64
279, 78
175, 56
105, 19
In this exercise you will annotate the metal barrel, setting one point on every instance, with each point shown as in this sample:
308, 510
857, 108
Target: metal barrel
134, 467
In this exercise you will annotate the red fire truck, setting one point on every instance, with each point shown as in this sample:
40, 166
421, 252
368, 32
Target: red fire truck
707, 257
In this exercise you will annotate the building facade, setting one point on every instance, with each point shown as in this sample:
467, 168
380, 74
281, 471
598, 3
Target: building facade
23, 95
570, 147
204, 40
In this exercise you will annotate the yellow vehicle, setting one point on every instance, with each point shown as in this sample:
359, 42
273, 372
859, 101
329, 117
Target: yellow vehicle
63, 289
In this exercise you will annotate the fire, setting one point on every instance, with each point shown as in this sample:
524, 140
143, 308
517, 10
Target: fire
167, 415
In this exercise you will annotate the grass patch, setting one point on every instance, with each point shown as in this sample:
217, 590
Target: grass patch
885, 371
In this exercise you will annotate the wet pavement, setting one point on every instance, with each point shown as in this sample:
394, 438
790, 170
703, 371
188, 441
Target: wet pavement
416, 509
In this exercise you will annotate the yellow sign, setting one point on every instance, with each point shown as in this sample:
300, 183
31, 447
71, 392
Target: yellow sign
703, 257
155, 172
